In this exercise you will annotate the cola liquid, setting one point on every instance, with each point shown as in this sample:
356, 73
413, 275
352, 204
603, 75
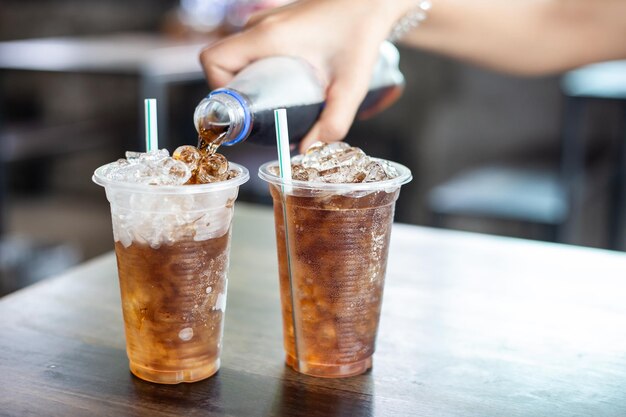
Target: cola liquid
173, 306
211, 136
246, 105
172, 248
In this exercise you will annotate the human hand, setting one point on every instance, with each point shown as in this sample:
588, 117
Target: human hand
341, 38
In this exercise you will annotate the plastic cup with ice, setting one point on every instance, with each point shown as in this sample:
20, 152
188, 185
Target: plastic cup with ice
172, 239
333, 223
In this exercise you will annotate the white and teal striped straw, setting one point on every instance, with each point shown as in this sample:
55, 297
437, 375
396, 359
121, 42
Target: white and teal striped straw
282, 144
284, 166
152, 133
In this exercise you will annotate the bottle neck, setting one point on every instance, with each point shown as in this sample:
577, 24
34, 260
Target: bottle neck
224, 110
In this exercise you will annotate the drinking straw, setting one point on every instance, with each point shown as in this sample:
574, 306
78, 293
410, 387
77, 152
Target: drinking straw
152, 134
282, 142
284, 167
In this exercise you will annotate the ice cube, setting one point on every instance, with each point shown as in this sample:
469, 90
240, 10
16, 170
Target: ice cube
358, 176
171, 172
299, 173
335, 175
132, 172
326, 157
313, 155
215, 164
349, 157
389, 170
155, 155
150, 170
331, 148
339, 162
313, 174
315, 148
132, 156
212, 168
188, 154
375, 172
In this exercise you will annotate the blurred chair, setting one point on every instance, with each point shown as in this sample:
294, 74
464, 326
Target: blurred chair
526, 195
547, 198
24, 260
607, 82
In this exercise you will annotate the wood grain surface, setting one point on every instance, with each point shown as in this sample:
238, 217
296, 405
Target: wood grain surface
472, 325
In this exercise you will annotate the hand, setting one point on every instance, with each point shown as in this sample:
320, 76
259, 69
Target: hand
341, 38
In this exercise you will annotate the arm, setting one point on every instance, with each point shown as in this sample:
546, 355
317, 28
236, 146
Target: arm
341, 38
525, 36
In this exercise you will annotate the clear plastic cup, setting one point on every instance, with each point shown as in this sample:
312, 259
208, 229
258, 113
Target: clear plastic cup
332, 257
172, 246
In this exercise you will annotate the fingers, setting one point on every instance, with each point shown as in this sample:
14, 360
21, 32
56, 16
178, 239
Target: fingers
310, 138
222, 60
344, 96
259, 16
337, 117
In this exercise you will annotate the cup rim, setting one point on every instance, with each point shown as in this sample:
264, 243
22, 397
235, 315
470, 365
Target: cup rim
404, 177
240, 179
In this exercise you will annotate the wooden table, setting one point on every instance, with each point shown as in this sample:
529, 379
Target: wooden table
471, 325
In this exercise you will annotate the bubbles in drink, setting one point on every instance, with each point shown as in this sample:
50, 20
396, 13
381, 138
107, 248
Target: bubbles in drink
339, 162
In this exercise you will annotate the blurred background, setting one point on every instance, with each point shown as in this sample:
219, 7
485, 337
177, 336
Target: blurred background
537, 158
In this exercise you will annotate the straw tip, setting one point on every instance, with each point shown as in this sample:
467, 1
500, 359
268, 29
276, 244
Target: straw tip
152, 140
282, 142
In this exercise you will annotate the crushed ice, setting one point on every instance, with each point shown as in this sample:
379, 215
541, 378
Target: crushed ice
338, 162
187, 165
150, 168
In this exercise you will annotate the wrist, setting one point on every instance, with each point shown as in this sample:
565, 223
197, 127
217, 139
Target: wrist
417, 13
391, 11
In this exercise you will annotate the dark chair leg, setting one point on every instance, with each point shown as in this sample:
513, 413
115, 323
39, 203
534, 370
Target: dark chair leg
438, 220
617, 203
572, 162
553, 233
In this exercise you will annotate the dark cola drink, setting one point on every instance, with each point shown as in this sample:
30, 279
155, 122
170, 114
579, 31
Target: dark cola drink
333, 225
171, 225
173, 307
